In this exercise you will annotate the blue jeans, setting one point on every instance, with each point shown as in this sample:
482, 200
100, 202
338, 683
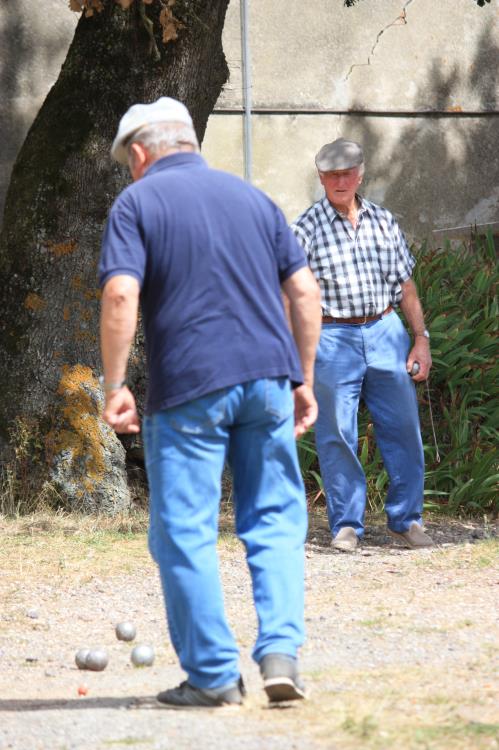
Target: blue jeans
368, 361
252, 426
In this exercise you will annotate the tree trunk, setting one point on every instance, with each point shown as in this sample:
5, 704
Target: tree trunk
63, 183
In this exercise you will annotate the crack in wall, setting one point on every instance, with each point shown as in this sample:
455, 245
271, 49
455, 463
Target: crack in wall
401, 20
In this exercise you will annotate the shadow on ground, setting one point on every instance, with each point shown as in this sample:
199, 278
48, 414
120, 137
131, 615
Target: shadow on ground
74, 704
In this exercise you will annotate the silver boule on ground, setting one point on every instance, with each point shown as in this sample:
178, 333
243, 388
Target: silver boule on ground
125, 631
142, 655
97, 660
81, 658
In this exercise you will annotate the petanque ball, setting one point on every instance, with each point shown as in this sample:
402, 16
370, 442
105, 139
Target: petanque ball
81, 658
142, 655
97, 660
125, 631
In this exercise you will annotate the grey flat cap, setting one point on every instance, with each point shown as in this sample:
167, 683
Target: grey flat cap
340, 154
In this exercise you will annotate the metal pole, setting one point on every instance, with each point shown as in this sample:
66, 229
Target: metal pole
246, 83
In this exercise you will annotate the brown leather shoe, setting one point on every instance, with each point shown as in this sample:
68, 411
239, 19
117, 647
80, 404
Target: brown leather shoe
346, 540
415, 538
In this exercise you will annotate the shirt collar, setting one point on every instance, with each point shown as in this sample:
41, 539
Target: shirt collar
332, 213
179, 159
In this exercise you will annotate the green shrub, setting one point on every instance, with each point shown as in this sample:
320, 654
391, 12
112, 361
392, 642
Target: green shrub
458, 290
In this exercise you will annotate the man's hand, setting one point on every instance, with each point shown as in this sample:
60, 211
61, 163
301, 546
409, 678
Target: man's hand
306, 409
420, 352
120, 411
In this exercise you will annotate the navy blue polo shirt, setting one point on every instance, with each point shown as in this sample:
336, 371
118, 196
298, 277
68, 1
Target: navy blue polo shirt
210, 253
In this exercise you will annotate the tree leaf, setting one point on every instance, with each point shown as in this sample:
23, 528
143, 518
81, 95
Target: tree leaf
170, 25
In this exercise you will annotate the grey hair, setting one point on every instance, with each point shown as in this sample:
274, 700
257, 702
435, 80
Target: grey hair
162, 136
362, 168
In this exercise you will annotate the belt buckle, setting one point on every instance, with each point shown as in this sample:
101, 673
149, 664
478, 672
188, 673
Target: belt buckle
365, 320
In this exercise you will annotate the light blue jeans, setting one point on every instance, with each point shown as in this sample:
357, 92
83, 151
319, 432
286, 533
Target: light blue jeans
368, 361
250, 425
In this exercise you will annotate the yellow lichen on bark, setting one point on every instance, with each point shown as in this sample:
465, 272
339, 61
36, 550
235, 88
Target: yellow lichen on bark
77, 283
86, 315
91, 294
34, 302
59, 249
81, 434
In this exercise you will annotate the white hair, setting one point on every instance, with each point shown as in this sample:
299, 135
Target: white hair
163, 136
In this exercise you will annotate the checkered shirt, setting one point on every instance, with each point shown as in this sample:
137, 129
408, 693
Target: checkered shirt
359, 270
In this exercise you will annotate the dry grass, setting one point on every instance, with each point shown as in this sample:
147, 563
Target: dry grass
48, 544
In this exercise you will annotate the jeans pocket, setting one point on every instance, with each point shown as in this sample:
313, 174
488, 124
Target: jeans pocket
278, 398
199, 415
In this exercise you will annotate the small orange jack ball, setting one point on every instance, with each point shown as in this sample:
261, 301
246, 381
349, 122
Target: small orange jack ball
82, 690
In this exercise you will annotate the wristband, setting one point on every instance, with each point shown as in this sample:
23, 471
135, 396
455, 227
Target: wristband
107, 387
425, 333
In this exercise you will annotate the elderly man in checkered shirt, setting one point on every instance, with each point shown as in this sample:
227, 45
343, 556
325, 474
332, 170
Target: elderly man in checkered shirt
361, 260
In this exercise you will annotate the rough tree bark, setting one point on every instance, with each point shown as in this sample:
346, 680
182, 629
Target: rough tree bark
62, 186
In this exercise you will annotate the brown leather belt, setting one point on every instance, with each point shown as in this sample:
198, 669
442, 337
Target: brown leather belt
357, 321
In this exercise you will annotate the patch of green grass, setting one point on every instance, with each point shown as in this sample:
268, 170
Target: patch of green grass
465, 624
458, 730
375, 622
129, 741
363, 728
438, 700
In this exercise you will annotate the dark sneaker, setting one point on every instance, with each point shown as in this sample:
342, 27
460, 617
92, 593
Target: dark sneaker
415, 538
280, 678
188, 696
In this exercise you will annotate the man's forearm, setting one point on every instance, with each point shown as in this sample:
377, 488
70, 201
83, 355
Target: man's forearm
306, 333
412, 309
118, 326
305, 315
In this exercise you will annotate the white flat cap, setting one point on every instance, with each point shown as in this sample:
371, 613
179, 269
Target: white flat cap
164, 109
340, 154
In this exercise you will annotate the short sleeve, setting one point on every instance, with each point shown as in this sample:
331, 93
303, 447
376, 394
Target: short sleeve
290, 255
404, 259
123, 250
303, 238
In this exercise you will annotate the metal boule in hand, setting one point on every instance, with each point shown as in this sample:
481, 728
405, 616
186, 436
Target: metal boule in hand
415, 369
125, 631
142, 655
81, 658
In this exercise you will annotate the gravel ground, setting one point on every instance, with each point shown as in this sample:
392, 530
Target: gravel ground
401, 649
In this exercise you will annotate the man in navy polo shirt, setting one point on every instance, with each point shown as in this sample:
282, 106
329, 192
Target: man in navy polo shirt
207, 255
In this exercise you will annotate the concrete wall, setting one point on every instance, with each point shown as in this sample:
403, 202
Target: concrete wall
415, 80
